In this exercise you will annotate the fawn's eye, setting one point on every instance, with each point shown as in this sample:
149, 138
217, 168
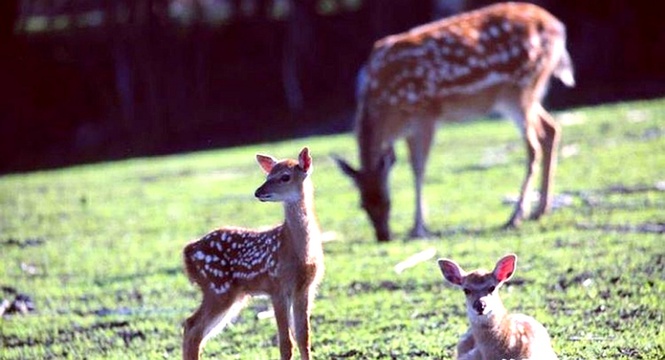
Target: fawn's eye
285, 178
467, 291
491, 289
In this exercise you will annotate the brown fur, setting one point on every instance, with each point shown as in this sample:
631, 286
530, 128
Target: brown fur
499, 58
495, 334
286, 263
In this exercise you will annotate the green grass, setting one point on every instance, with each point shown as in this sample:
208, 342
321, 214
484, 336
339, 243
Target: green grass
97, 247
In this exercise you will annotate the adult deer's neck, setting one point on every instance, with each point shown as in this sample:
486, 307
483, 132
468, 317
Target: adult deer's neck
368, 145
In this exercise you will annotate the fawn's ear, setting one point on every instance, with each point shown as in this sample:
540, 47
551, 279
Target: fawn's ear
505, 267
266, 162
452, 272
305, 160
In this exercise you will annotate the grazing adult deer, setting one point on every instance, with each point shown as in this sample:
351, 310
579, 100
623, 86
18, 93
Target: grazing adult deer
286, 262
498, 58
495, 334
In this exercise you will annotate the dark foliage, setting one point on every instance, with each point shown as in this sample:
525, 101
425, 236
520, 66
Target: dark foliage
148, 84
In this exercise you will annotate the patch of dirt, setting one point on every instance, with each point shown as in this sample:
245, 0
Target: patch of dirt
29, 242
129, 335
595, 199
361, 287
104, 311
463, 230
64, 335
644, 228
564, 281
589, 197
558, 306
655, 266
19, 304
353, 354
630, 352
357, 354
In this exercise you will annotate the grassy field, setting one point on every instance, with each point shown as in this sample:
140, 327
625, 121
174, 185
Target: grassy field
97, 247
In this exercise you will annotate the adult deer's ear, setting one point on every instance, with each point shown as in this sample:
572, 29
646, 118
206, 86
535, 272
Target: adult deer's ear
345, 167
266, 162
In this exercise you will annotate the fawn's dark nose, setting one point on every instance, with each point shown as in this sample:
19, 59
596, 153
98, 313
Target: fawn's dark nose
260, 193
479, 306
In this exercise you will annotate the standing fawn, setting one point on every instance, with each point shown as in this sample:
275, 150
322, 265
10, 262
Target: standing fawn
286, 263
498, 58
495, 334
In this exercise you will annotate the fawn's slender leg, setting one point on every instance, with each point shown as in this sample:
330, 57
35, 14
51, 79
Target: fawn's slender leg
549, 140
466, 344
420, 143
204, 320
281, 307
301, 314
534, 153
474, 354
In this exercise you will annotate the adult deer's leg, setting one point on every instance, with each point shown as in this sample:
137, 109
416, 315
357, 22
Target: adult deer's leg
550, 135
530, 124
420, 143
282, 308
301, 314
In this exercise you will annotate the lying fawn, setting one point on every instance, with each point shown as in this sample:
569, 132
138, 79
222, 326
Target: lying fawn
498, 58
494, 333
286, 262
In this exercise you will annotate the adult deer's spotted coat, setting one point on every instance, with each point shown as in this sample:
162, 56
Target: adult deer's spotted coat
498, 58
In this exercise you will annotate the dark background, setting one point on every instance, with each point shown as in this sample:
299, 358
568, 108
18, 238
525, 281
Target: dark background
92, 80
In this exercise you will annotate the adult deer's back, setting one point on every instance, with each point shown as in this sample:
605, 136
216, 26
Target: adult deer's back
498, 58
